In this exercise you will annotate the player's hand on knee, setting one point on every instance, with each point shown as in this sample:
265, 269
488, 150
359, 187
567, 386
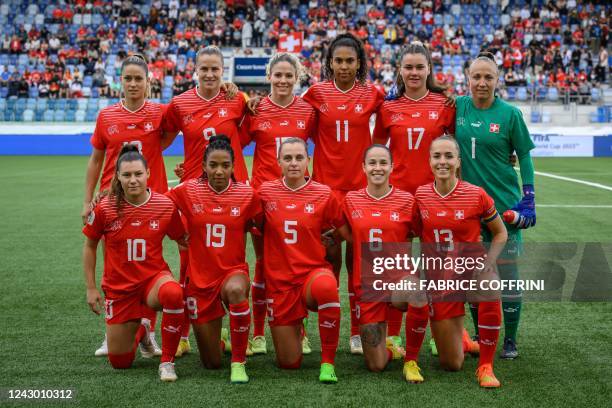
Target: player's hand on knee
94, 300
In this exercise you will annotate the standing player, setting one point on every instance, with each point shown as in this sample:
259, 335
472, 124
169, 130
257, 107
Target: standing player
133, 120
297, 210
411, 122
449, 212
344, 104
218, 212
133, 221
279, 116
377, 214
199, 114
489, 130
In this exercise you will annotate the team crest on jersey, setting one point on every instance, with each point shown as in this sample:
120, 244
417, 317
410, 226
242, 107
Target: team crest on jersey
222, 112
284, 123
324, 108
433, 115
154, 225
264, 125
271, 206
357, 214
91, 218
235, 211
394, 216
116, 225
148, 126
459, 215
359, 108
424, 214
187, 119
461, 121
197, 208
112, 129
301, 124
494, 128
309, 208
397, 117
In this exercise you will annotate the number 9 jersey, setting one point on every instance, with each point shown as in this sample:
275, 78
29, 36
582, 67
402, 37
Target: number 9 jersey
133, 250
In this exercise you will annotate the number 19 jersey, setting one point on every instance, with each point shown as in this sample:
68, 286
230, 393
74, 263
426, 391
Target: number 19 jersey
293, 223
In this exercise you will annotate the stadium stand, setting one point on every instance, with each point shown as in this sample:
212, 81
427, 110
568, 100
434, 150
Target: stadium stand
70, 52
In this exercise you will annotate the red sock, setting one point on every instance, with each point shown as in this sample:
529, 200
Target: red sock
150, 315
416, 325
184, 257
394, 321
171, 298
489, 321
240, 325
352, 304
139, 336
324, 290
258, 295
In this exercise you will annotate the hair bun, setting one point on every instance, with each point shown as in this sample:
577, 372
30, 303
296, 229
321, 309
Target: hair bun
220, 138
128, 147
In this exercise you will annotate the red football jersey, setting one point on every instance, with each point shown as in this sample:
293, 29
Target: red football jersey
293, 223
271, 125
376, 221
412, 125
454, 218
117, 126
133, 249
199, 119
344, 132
216, 223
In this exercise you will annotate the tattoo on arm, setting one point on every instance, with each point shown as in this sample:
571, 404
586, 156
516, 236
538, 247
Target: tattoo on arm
372, 334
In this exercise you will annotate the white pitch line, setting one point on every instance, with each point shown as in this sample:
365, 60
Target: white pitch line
173, 181
573, 180
573, 206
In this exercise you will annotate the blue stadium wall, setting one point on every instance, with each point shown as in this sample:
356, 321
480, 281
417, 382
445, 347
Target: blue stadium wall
38, 140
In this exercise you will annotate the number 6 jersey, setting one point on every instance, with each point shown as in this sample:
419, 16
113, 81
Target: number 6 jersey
133, 250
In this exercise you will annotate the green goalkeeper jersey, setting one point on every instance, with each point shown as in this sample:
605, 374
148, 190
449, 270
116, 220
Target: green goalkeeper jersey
487, 138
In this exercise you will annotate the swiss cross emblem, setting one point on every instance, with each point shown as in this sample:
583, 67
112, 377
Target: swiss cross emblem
459, 215
198, 208
309, 208
494, 128
222, 112
433, 115
425, 214
271, 206
112, 129
235, 211
148, 126
301, 124
397, 117
395, 216
154, 224
324, 108
264, 125
187, 119
359, 108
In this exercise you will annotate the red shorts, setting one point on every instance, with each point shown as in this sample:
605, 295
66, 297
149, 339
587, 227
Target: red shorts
133, 306
446, 310
288, 308
205, 305
372, 312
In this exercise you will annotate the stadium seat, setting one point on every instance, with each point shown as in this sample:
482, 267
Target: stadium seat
102, 103
2, 104
511, 93
595, 95
82, 104
28, 115
521, 94
79, 116
70, 116
59, 115
48, 116
31, 104
553, 94
91, 116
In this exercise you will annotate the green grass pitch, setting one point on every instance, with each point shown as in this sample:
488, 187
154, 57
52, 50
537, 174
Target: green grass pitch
48, 335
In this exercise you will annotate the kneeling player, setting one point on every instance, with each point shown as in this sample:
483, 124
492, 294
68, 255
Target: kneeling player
133, 221
450, 212
297, 277
377, 214
218, 212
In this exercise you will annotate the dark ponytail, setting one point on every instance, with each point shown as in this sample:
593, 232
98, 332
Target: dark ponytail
129, 153
217, 142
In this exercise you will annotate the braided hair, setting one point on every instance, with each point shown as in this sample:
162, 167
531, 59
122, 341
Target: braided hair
129, 153
350, 41
217, 142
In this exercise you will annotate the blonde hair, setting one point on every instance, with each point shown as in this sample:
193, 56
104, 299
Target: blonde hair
286, 57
